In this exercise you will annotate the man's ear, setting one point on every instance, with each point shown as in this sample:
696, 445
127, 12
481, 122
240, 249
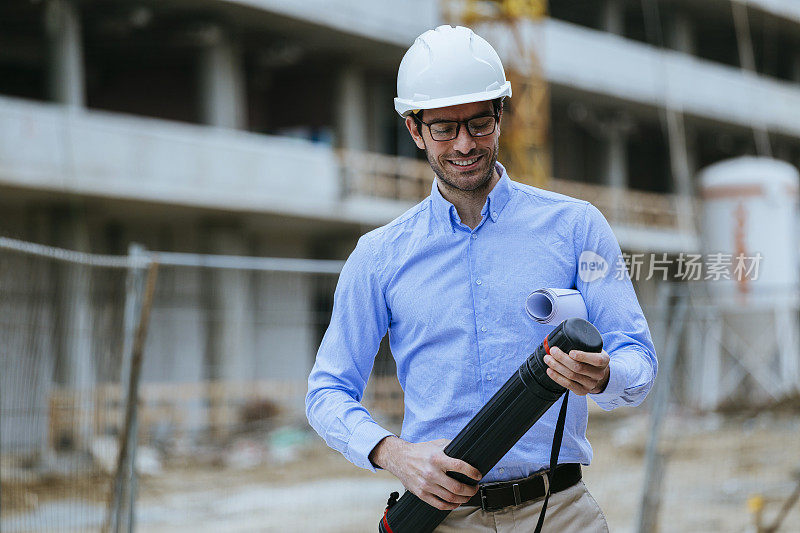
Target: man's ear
499, 119
416, 135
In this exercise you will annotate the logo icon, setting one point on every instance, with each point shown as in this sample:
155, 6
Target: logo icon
591, 266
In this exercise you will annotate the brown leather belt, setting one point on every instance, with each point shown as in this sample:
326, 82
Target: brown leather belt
500, 494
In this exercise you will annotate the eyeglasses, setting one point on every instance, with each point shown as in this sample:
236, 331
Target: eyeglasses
447, 130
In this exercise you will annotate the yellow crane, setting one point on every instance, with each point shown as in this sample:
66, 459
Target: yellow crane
524, 142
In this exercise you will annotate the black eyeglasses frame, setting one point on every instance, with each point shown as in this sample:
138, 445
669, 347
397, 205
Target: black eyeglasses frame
458, 123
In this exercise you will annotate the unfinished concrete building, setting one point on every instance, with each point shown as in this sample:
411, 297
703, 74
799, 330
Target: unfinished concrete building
266, 128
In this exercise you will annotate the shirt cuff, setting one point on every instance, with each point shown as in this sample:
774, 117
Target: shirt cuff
363, 440
610, 397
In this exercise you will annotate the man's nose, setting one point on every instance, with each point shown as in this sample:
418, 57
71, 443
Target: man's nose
464, 143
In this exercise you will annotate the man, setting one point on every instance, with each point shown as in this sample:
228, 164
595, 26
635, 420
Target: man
449, 280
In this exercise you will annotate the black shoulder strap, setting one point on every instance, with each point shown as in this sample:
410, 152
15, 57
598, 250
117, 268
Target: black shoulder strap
557, 436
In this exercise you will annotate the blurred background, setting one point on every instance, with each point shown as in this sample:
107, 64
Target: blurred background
180, 182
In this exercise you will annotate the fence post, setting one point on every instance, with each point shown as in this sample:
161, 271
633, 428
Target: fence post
133, 292
647, 520
136, 319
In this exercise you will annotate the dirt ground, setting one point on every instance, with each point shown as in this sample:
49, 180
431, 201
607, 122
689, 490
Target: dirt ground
715, 463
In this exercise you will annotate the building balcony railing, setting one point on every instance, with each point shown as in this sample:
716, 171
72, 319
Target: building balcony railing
409, 180
627, 207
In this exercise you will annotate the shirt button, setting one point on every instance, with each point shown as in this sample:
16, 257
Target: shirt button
501, 470
478, 282
488, 377
494, 214
483, 328
474, 235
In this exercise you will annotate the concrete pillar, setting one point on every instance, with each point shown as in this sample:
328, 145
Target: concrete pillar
230, 324
351, 109
683, 162
177, 339
288, 323
613, 17
231, 321
75, 359
223, 97
65, 53
691, 154
616, 171
681, 144
177, 333
681, 33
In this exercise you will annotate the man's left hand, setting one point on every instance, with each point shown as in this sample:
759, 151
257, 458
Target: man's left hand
581, 372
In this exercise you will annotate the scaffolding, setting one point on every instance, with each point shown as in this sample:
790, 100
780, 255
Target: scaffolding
527, 115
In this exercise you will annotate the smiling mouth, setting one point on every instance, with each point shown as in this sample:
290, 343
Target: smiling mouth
465, 164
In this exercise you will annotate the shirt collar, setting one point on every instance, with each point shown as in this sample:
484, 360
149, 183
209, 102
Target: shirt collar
495, 202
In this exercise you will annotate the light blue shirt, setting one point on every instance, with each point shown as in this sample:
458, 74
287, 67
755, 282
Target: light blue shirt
453, 302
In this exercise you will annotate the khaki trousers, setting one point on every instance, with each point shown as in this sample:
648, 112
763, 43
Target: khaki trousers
573, 510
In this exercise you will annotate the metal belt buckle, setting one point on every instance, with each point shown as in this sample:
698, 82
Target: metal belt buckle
484, 499
484, 504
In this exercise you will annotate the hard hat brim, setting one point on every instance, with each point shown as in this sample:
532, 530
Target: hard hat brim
404, 106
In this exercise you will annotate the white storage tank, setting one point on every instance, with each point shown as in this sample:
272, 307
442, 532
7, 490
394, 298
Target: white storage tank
750, 208
746, 329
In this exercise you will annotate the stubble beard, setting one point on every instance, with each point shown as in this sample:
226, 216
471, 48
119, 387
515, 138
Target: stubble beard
450, 183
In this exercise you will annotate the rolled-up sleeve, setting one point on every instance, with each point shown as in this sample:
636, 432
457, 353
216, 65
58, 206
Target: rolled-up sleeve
615, 311
345, 359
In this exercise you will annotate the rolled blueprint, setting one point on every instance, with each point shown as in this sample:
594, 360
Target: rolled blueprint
553, 306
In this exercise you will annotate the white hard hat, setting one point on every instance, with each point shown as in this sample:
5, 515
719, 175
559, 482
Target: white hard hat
449, 66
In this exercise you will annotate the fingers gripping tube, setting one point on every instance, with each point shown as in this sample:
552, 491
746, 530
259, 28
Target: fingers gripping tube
505, 418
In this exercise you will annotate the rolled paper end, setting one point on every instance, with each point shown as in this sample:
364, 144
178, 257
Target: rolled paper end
553, 306
540, 306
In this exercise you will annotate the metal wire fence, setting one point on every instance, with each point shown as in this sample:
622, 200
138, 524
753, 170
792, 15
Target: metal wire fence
207, 370
60, 333
164, 392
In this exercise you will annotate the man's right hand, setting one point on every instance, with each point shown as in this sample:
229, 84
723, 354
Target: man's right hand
421, 467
